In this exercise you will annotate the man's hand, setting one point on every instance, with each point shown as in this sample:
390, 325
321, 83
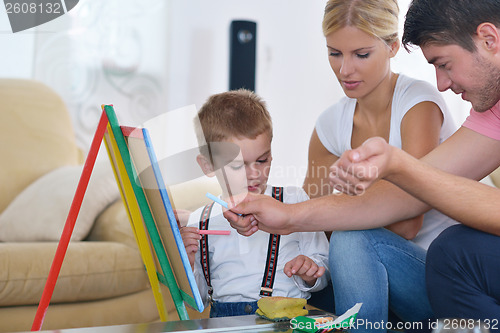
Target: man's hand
358, 169
191, 239
305, 268
259, 212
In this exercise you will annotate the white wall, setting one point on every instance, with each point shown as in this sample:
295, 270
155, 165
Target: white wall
16, 53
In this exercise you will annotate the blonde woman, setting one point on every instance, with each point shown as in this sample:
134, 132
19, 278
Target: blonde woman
383, 268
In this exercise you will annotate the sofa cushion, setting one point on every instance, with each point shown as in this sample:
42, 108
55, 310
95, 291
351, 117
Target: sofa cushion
134, 308
39, 212
113, 225
90, 271
36, 135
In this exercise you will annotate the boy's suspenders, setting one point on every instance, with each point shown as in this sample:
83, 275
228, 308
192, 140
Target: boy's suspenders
266, 288
272, 251
205, 265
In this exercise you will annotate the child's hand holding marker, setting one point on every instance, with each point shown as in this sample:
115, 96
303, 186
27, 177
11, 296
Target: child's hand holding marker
191, 238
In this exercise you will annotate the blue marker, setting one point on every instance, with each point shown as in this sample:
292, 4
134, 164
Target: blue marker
219, 201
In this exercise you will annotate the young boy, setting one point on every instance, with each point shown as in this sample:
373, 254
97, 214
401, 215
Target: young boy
239, 270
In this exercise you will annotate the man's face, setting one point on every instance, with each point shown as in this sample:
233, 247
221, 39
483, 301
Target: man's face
471, 75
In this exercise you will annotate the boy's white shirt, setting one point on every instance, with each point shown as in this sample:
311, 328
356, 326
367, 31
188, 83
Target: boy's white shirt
237, 266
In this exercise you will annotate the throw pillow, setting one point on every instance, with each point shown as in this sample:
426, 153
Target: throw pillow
39, 213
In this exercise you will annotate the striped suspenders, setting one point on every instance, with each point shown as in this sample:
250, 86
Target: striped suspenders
266, 288
272, 251
205, 265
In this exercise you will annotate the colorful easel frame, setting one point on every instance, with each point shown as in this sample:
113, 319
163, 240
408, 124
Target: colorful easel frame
148, 208
171, 255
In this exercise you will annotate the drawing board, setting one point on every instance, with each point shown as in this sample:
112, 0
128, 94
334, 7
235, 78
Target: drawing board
148, 193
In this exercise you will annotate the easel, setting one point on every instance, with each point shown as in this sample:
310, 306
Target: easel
145, 213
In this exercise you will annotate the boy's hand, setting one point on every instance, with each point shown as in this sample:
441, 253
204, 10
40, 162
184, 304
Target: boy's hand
305, 268
191, 239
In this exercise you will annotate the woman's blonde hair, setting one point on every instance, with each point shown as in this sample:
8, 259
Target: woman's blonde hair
378, 18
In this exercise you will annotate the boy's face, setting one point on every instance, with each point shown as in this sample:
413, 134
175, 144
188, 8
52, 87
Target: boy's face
249, 171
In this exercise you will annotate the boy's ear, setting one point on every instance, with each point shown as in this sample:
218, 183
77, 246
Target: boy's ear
205, 165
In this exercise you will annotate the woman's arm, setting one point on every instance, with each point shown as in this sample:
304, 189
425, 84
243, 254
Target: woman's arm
420, 131
317, 182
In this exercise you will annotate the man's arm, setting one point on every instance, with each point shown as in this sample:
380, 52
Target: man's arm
376, 208
466, 153
440, 178
467, 201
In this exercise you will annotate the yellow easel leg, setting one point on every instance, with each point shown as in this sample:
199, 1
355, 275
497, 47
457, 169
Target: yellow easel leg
134, 214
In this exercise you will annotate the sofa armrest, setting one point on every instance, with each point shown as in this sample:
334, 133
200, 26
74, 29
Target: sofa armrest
113, 225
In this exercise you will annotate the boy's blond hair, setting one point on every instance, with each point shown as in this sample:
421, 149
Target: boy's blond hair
237, 113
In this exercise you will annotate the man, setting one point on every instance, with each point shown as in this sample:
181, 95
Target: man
461, 38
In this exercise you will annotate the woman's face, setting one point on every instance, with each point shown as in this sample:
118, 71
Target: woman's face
359, 60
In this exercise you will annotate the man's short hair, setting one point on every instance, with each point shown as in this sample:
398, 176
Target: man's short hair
448, 22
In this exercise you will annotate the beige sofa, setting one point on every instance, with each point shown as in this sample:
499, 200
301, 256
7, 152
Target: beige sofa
102, 280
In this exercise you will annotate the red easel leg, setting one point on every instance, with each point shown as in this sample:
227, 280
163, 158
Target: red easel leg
70, 224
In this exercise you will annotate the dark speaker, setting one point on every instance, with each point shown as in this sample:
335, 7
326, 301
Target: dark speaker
242, 55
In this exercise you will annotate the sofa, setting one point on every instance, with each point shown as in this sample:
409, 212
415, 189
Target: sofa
102, 280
